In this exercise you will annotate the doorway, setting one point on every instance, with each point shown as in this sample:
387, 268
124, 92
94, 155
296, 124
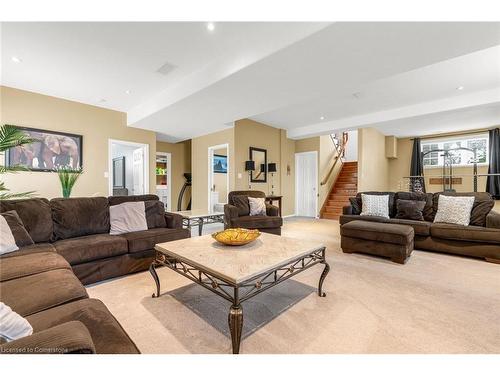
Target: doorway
218, 177
306, 184
128, 168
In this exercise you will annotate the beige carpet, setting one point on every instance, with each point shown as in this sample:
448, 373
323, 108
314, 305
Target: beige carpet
435, 303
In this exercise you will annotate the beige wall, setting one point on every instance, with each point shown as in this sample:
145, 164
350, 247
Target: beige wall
95, 124
373, 166
199, 164
286, 168
181, 163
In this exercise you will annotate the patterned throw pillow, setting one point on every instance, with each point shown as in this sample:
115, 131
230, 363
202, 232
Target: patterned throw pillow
454, 210
257, 206
375, 205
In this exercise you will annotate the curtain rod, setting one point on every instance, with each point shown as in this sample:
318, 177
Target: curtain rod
454, 134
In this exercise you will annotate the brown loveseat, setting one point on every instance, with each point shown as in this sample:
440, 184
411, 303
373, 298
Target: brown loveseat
236, 215
481, 239
41, 281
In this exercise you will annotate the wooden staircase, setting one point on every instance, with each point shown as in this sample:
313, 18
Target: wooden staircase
345, 186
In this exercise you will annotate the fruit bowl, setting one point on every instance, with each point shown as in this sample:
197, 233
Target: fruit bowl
236, 236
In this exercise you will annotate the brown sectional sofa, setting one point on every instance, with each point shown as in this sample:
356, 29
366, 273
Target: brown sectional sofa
43, 282
481, 239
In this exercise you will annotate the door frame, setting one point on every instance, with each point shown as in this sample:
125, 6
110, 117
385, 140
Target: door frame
145, 148
210, 171
169, 177
298, 154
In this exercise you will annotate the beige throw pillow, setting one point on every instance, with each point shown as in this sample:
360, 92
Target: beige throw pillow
7, 240
13, 326
454, 210
257, 206
127, 217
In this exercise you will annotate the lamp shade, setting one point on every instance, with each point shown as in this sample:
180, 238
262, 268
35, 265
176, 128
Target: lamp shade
263, 168
249, 165
271, 167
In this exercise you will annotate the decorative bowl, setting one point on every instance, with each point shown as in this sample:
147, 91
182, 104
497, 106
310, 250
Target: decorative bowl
236, 236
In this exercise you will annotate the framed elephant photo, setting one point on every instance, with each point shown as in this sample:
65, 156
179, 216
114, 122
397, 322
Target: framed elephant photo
53, 150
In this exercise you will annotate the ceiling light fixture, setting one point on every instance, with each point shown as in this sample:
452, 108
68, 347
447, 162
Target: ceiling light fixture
460, 88
322, 118
127, 92
210, 26
16, 59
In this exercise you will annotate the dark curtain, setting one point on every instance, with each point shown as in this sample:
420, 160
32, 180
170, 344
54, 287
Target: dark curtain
417, 168
493, 182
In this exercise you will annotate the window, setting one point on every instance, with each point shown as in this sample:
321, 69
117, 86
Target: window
457, 157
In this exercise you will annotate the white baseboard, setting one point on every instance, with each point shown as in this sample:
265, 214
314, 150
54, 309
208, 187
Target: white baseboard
287, 216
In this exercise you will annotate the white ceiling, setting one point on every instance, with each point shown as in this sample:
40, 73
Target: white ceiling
285, 74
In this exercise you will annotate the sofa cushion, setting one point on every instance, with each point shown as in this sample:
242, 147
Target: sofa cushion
147, 239
421, 228
21, 235
75, 217
97, 246
380, 232
483, 204
344, 219
410, 209
114, 200
33, 249
392, 206
30, 264
41, 291
428, 211
257, 222
242, 203
107, 334
470, 233
35, 214
356, 205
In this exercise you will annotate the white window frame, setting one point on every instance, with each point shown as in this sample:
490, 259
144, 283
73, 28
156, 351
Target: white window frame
461, 138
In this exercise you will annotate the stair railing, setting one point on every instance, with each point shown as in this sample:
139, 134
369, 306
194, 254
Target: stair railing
340, 147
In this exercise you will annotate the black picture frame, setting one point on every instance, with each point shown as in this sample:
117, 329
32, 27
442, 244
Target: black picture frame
54, 149
119, 172
259, 175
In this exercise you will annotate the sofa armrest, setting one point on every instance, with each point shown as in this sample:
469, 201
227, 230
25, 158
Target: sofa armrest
173, 220
493, 220
230, 212
347, 210
67, 338
271, 210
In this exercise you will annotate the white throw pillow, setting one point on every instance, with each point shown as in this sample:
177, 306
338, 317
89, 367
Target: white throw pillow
127, 217
375, 205
454, 210
257, 206
7, 240
13, 326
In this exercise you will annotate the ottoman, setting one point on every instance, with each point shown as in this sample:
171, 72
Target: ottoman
392, 241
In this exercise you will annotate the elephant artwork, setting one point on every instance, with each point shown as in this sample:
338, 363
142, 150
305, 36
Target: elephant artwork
52, 150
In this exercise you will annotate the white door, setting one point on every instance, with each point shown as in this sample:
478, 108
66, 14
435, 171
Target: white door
306, 184
138, 171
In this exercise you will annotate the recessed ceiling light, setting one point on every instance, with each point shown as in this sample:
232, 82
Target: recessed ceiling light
16, 59
460, 88
210, 26
322, 118
127, 92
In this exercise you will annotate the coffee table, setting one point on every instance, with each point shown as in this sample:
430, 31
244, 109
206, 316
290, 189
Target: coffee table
239, 273
197, 218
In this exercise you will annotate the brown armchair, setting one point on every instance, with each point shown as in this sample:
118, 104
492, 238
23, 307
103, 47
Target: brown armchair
237, 217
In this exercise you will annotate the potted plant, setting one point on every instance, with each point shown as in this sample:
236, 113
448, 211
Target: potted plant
11, 136
68, 177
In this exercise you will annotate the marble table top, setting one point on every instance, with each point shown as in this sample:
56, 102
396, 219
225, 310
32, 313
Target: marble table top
238, 264
193, 214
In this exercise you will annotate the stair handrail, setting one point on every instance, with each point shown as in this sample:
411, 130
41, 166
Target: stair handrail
340, 148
